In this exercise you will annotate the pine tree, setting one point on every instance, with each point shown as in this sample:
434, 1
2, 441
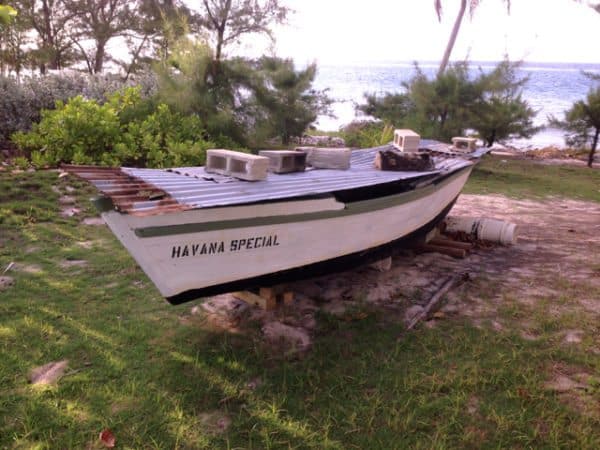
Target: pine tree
582, 123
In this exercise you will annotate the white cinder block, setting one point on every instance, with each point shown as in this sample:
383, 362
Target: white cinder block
237, 164
329, 158
285, 161
406, 140
464, 144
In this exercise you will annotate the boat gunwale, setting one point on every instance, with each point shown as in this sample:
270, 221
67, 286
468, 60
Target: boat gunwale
352, 208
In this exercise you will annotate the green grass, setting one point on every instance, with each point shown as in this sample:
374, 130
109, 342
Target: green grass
159, 382
521, 178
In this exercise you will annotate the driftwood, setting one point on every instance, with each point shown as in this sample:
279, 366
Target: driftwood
397, 161
435, 300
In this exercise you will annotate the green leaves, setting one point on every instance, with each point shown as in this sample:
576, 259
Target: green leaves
84, 132
454, 102
7, 13
582, 122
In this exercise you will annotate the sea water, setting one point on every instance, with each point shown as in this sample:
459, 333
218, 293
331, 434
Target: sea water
551, 89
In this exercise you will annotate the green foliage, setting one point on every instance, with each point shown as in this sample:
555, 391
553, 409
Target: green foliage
20, 162
442, 105
453, 102
367, 134
85, 132
390, 107
79, 131
21, 102
582, 123
501, 112
7, 14
245, 100
287, 103
163, 139
187, 85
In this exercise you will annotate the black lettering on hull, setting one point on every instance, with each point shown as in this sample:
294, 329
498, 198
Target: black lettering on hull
216, 247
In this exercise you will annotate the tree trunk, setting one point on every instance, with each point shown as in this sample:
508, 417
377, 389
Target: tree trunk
50, 45
453, 35
593, 149
491, 139
99, 58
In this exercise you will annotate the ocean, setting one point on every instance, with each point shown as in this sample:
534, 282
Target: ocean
552, 88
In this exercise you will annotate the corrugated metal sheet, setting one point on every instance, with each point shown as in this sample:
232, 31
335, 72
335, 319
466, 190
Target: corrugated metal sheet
156, 191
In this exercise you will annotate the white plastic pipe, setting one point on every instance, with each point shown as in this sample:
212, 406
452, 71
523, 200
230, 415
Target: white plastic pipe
491, 230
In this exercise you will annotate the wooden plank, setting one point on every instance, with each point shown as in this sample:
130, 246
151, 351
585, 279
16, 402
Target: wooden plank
451, 243
450, 251
277, 293
251, 298
288, 298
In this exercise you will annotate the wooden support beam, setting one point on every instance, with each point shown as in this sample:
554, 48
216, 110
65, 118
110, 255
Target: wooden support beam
451, 243
267, 298
251, 298
450, 251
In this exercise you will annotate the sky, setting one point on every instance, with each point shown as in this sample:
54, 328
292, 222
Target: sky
338, 31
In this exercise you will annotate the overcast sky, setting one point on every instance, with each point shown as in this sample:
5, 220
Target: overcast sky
334, 31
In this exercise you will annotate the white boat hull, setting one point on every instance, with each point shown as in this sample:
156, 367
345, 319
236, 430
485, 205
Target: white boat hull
191, 252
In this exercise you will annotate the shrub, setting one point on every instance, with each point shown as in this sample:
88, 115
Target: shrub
163, 139
85, 132
80, 131
365, 134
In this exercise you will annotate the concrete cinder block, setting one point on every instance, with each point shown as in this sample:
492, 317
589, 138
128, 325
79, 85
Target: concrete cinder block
237, 164
406, 140
464, 144
327, 158
285, 161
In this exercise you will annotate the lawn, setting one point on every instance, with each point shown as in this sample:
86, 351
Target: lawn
159, 377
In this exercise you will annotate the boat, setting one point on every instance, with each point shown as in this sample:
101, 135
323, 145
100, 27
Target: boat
197, 234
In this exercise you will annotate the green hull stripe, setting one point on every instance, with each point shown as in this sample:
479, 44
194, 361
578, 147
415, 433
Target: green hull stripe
359, 207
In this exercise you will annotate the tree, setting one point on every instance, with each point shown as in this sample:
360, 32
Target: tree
100, 21
456, 28
185, 85
582, 123
230, 20
288, 102
13, 42
51, 20
163, 23
391, 108
454, 102
501, 112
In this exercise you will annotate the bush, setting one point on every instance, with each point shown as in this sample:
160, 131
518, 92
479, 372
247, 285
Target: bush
364, 134
21, 103
162, 139
79, 132
85, 132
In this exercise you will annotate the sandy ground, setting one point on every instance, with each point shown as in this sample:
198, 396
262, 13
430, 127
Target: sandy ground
557, 255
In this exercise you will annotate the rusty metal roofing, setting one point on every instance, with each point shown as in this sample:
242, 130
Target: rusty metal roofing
157, 191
